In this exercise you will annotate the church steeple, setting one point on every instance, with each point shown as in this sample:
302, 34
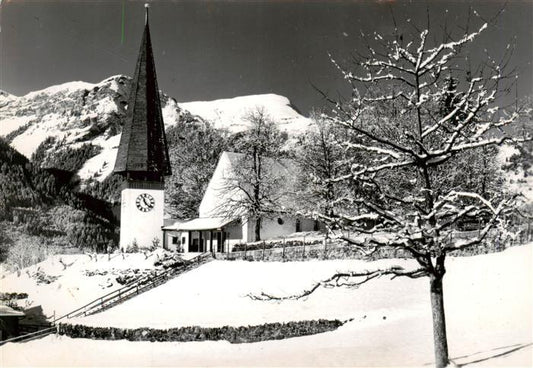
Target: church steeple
142, 157
143, 153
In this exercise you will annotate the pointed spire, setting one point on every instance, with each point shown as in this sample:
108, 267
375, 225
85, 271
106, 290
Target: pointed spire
143, 152
146, 7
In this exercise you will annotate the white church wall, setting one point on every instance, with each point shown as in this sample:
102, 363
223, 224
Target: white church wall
174, 241
245, 228
309, 225
234, 236
279, 226
270, 228
276, 227
137, 226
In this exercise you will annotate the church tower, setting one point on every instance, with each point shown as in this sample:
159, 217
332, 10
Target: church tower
142, 157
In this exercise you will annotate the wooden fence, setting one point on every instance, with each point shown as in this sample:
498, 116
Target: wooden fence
339, 249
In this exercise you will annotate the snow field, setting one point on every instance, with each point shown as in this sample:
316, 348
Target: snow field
73, 288
488, 301
101, 165
216, 294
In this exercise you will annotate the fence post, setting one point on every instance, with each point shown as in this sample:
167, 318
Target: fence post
245, 249
325, 248
263, 256
283, 254
56, 324
303, 252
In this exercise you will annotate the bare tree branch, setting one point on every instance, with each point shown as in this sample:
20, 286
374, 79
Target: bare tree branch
342, 279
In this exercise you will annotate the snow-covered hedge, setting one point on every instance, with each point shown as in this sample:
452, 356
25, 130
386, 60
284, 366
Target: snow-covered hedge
243, 334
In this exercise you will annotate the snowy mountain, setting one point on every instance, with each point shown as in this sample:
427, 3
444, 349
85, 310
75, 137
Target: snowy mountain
231, 113
76, 115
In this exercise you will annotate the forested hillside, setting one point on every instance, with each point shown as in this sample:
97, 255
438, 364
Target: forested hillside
40, 211
21, 184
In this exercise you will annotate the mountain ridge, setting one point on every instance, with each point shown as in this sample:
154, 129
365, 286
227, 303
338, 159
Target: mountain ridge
70, 115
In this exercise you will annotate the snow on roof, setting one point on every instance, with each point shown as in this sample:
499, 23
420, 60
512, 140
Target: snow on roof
6, 311
218, 194
202, 223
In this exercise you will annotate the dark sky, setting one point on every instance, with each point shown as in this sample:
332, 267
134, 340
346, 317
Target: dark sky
218, 49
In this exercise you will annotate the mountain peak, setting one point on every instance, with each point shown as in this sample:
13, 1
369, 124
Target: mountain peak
69, 115
231, 113
6, 95
66, 88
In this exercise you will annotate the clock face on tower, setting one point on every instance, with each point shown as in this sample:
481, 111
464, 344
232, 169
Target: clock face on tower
145, 202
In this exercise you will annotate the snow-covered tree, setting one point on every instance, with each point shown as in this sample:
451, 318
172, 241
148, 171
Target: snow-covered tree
522, 160
425, 124
255, 180
320, 158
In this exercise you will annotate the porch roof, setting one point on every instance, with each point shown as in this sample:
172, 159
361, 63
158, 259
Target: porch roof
6, 311
201, 223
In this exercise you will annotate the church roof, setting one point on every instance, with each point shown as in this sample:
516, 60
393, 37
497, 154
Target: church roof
143, 147
223, 192
202, 223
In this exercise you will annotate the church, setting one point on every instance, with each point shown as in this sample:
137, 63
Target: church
143, 161
217, 230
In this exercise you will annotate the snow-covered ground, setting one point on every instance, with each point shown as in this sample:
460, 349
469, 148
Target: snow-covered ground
191, 298
101, 165
80, 279
488, 301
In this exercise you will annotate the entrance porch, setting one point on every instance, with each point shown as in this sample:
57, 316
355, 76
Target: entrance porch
213, 234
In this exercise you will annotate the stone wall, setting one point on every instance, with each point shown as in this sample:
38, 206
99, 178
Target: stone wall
242, 334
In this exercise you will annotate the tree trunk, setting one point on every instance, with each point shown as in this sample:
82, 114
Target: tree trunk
258, 229
439, 323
